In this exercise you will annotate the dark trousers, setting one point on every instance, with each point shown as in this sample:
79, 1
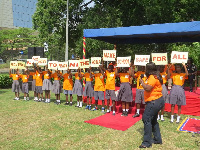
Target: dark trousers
190, 78
149, 119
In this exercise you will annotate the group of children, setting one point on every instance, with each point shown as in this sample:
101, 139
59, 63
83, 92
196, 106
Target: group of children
42, 83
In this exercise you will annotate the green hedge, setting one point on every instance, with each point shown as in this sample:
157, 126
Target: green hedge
5, 81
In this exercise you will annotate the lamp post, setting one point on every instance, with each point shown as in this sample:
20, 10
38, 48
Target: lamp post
66, 50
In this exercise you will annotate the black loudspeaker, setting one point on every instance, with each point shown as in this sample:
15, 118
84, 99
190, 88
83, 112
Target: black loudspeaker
31, 52
39, 52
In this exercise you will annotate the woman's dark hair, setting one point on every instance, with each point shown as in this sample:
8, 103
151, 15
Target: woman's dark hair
111, 67
151, 69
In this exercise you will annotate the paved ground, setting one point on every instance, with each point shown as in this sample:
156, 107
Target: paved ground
4, 70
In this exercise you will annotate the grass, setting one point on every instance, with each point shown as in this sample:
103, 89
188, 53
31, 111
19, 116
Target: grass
40, 126
5, 65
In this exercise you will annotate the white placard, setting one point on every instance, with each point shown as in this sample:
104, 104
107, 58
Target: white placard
73, 64
13, 64
35, 58
29, 62
159, 58
84, 63
123, 61
95, 61
63, 65
141, 60
53, 65
42, 61
21, 65
179, 57
109, 55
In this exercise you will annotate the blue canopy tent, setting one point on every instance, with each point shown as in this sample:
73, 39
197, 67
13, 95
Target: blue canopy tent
155, 33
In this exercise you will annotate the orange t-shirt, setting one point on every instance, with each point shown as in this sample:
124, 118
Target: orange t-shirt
110, 80
46, 75
171, 69
137, 75
77, 77
156, 92
24, 78
68, 83
87, 76
164, 77
55, 76
124, 77
38, 80
99, 82
178, 78
33, 74
14, 76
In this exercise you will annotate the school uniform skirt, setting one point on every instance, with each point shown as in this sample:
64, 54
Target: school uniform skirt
89, 89
125, 92
78, 88
46, 85
165, 93
25, 87
56, 88
15, 86
177, 95
33, 85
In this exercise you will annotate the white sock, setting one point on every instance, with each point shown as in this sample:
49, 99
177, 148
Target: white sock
27, 98
162, 118
172, 118
178, 118
108, 110
70, 102
113, 112
81, 103
123, 109
138, 111
158, 118
24, 98
77, 103
58, 101
127, 110
49, 100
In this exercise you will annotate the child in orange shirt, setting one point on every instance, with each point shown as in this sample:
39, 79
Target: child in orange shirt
24, 78
99, 88
68, 86
110, 87
177, 94
78, 88
38, 83
33, 83
125, 93
164, 90
56, 85
89, 88
15, 84
139, 98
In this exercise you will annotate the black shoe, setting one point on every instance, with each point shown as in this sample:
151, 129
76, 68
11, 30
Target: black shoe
123, 113
57, 103
143, 146
191, 91
67, 103
126, 113
70, 104
136, 115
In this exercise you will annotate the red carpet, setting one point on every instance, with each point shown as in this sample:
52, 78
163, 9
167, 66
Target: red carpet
191, 108
190, 125
116, 122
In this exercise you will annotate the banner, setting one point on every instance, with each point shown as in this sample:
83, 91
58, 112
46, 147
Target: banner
84, 63
73, 64
159, 58
21, 65
53, 65
29, 62
123, 61
42, 61
63, 65
179, 57
35, 58
141, 60
109, 55
95, 61
13, 64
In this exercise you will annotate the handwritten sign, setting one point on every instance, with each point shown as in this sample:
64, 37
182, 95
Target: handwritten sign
109, 55
95, 61
29, 62
63, 65
35, 58
42, 61
141, 60
53, 65
84, 63
13, 64
179, 57
123, 61
21, 65
73, 64
159, 58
